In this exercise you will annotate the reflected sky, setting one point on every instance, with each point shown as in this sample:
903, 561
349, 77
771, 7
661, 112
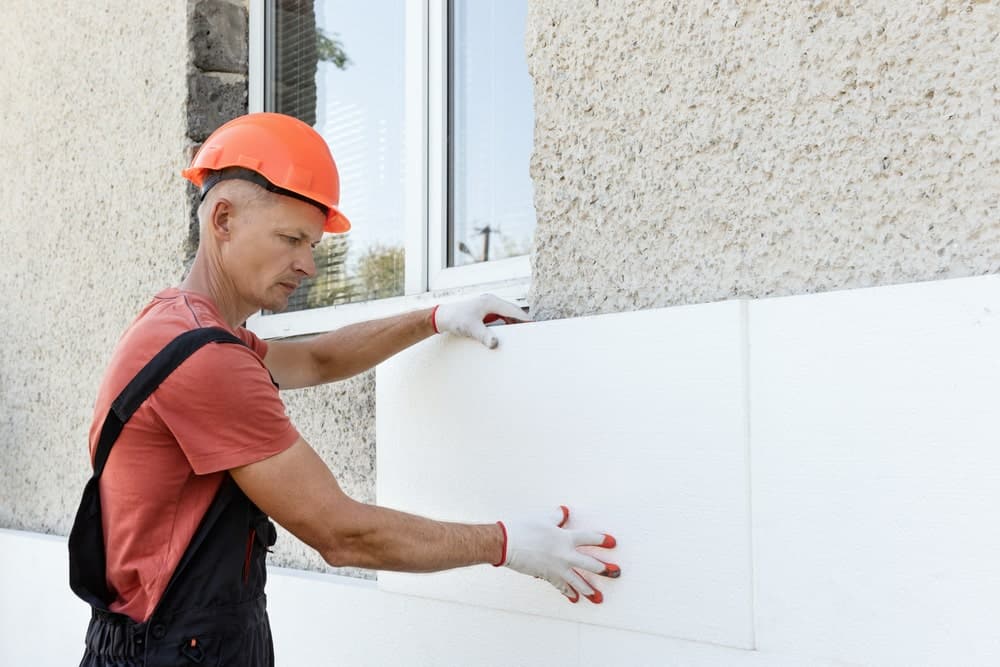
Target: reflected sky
361, 113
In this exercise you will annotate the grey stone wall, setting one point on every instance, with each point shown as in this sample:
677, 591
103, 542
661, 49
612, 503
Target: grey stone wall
690, 152
218, 54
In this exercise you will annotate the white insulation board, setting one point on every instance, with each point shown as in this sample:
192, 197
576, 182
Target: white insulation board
875, 434
874, 471
635, 421
324, 619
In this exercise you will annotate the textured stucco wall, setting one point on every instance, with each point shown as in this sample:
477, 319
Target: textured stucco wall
92, 132
338, 420
94, 128
690, 152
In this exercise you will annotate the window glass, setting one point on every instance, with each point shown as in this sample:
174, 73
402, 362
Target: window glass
491, 119
338, 65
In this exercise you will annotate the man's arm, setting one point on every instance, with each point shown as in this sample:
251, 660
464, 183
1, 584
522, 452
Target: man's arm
345, 352
297, 489
355, 348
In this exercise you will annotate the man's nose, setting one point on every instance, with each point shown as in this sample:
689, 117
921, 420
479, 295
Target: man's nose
306, 263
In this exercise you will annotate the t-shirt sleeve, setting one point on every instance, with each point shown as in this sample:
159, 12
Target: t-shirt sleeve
223, 409
252, 341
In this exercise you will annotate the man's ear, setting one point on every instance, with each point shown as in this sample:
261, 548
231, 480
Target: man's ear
220, 218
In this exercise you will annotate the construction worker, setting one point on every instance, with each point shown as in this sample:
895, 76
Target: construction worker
193, 451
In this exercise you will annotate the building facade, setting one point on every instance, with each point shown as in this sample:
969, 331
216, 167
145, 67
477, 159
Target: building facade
683, 153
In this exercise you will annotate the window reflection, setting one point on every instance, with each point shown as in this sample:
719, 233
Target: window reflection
338, 65
492, 215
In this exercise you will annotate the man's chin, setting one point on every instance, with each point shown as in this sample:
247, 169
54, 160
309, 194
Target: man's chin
277, 305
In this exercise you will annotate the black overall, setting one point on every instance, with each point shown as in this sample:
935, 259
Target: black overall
213, 610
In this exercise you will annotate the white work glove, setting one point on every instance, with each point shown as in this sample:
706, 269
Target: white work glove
546, 550
469, 318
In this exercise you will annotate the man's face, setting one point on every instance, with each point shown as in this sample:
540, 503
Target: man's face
270, 249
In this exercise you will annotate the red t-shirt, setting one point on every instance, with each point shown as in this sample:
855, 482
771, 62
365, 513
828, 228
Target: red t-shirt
218, 410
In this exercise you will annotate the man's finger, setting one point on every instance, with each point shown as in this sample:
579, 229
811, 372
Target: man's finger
577, 581
488, 338
611, 571
505, 309
586, 538
582, 561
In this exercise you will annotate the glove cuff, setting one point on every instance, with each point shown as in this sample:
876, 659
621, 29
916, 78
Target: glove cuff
434, 323
503, 555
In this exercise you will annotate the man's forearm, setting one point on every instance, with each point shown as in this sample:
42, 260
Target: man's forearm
298, 491
357, 347
386, 539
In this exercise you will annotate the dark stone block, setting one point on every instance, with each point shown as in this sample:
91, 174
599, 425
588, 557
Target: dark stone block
212, 100
219, 37
193, 198
194, 229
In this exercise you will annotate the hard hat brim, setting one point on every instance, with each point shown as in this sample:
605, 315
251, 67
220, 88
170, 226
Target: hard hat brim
336, 222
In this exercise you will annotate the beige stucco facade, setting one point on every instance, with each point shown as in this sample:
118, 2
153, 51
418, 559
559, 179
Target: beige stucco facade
93, 219
694, 151
684, 153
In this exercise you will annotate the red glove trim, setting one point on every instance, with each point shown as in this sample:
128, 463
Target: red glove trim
434, 321
503, 556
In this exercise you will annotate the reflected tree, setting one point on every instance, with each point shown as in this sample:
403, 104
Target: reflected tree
331, 50
380, 272
331, 284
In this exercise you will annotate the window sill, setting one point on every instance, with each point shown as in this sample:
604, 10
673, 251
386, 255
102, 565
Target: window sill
319, 320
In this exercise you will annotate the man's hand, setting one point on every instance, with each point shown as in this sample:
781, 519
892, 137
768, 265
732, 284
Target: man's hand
544, 549
469, 318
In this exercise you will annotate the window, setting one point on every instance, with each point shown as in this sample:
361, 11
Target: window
427, 107
490, 137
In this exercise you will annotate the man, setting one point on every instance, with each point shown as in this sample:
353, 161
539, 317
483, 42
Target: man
169, 544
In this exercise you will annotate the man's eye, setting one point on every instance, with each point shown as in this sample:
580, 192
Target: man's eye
292, 240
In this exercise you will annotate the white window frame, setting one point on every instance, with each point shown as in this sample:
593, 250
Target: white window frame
428, 279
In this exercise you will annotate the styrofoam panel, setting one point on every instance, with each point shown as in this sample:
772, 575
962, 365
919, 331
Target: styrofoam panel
316, 619
636, 421
601, 647
41, 621
324, 619
321, 619
876, 473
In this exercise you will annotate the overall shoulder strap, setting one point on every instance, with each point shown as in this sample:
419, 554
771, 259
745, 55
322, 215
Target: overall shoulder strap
148, 379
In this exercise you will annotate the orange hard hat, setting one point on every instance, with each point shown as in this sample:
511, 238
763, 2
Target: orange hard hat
279, 153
